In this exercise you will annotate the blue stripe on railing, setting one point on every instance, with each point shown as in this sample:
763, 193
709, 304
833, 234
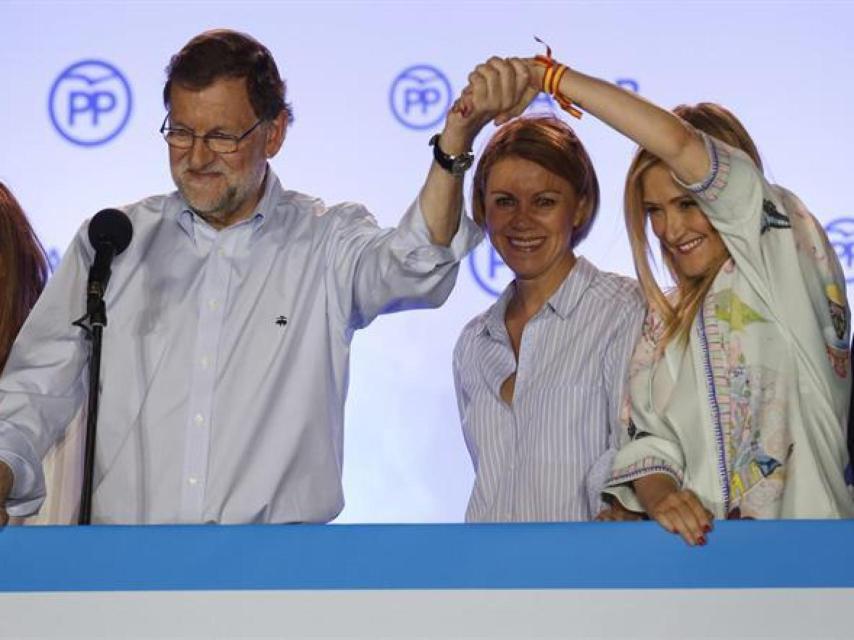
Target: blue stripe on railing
793, 554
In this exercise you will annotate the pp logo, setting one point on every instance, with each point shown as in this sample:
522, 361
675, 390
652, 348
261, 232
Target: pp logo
420, 96
542, 103
628, 83
840, 232
488, 269
90, 103
54, 257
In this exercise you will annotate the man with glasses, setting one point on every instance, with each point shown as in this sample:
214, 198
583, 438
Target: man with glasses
231, 312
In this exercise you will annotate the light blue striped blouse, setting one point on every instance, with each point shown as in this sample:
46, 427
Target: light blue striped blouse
548, 455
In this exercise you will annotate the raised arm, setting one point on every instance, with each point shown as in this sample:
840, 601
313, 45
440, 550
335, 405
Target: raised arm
414, 265
494, 87
655, 129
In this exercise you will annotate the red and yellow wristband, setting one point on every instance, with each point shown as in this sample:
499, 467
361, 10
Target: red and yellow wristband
551, 80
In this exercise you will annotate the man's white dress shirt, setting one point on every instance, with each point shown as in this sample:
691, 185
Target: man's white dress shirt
225, 360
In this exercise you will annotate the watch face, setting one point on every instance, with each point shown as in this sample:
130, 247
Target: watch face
462, 162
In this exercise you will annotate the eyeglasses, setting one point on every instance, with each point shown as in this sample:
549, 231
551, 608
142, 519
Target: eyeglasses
180, 138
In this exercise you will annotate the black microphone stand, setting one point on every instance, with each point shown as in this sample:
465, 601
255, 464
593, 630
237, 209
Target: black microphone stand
110, 233
93, 324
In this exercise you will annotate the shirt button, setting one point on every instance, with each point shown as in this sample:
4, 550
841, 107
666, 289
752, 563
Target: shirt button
220, 251
193, 480
213, 304
199, 419
205, 361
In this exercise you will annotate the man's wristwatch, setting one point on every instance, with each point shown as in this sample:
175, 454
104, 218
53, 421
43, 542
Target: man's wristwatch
455, 165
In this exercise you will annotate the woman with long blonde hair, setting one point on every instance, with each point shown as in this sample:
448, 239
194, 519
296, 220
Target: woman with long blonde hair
740, 383
680, 309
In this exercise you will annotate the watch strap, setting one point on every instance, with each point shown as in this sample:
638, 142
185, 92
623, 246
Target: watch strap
455, 165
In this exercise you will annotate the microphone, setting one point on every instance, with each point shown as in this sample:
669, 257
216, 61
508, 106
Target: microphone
110, 232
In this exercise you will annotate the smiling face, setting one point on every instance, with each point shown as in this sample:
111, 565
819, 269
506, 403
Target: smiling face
530, 214
222, 188
686, 235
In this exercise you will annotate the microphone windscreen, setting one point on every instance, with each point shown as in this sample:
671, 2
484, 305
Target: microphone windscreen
113, 227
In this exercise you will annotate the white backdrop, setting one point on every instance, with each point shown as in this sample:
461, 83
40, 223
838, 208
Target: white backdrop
363, 118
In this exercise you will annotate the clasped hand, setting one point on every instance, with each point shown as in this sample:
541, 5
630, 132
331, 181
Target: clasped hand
498, 90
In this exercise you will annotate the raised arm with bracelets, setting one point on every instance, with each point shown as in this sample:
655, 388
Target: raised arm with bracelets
657, 130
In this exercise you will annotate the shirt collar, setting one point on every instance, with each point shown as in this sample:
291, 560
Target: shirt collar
187, 219
568, 294
562, 302
493, 322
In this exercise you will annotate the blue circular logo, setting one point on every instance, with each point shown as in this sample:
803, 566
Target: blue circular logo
420, 96
840, 232
488, 269
542, 103
90, 103
54, 257
628, 83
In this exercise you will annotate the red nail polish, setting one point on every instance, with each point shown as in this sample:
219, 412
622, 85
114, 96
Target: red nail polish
701, 540
707, 528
